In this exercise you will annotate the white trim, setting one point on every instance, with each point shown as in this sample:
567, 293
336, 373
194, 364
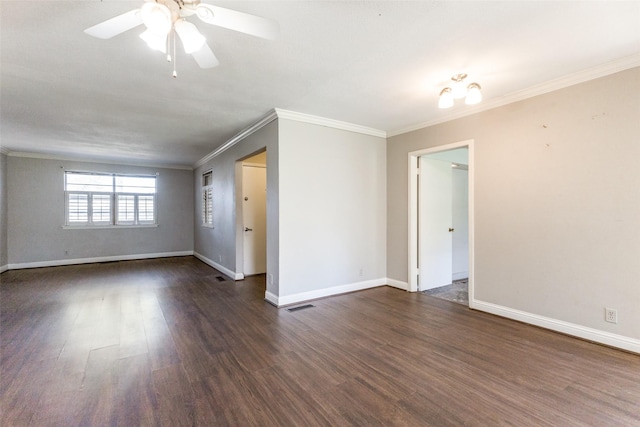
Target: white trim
582, 76
278, 113
602, 337
101, 162
316, 120
397, 284
412, 229
271, 116
108, 227
326, 292
60, 262
220, 268
271, 298
4, 268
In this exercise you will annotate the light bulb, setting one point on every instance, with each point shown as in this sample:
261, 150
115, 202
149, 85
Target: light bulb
446, 98
156, 17
155, 41
474, 95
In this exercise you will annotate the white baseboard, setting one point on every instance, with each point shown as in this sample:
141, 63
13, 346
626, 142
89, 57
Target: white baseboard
271, 298
397, 284
607, 338
60, 262
4, 268
220, 268
326, 292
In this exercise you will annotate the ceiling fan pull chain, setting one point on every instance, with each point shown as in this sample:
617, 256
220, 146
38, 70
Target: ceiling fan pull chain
168, 48
175, 58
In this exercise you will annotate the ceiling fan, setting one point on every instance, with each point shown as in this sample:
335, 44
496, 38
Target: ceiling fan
162, 17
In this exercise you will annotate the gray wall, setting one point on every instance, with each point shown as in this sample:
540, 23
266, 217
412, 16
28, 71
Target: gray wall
326, 208
557, 202
332, 208
218, 244
3, 212
36, 215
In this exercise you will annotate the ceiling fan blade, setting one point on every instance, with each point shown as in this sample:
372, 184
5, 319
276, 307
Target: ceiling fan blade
205, 57
238, 21
114, 26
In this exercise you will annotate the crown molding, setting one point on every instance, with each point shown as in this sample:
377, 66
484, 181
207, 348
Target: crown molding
278, 113
102, 162
316, 120
265, 120
582, 76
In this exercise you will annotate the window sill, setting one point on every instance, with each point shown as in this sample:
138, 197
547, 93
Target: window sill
106, 227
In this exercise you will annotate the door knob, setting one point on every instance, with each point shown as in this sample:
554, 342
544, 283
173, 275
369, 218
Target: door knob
451, 230
248, 229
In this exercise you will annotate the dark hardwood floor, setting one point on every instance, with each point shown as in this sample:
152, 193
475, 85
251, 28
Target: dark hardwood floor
164, 342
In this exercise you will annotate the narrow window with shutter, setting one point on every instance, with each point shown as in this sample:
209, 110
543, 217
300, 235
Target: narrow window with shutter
207, 199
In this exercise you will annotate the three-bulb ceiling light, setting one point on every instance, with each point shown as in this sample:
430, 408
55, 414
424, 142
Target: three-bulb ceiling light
459, 90
159, 21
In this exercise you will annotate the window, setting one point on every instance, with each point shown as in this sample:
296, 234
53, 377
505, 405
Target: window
100, 199
207, 199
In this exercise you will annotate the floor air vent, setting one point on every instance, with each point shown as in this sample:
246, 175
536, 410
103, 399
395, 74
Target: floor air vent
300, 307
220, 279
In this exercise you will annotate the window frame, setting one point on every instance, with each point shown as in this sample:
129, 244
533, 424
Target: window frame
114, 220
207, 199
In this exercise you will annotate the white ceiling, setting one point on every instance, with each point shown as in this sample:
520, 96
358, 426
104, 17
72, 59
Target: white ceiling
379, 64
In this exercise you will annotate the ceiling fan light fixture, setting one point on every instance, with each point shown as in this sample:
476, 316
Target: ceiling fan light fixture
156, 17
162, 17
474, 96
446, 98
155, 41
191, 38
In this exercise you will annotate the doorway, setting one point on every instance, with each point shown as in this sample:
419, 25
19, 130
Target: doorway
254, 215
440, 223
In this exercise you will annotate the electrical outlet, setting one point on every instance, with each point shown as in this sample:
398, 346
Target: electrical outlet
219, 258
270, 279
362, 271
611, 315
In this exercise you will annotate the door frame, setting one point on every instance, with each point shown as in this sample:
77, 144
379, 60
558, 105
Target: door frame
413, 212
246, 164
239, 216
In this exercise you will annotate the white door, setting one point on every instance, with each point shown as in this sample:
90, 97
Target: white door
254, 218
435, 236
